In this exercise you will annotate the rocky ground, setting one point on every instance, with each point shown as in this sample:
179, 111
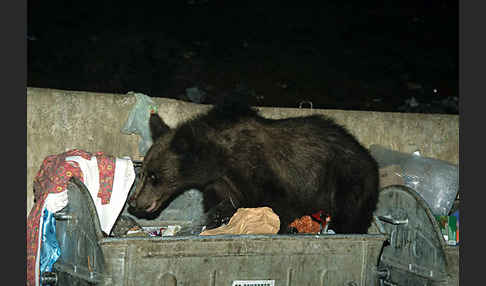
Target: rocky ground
383, 58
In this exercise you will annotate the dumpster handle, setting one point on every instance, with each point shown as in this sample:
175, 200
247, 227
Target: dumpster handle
388, 283
63, 216
48, 278
393, 221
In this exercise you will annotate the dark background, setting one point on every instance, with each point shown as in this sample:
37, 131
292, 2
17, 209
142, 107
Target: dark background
363, 55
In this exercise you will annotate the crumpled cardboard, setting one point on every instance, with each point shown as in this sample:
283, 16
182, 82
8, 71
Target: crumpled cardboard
249, 221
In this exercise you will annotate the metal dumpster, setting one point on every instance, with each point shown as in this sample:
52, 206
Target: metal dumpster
404, 247
89, 258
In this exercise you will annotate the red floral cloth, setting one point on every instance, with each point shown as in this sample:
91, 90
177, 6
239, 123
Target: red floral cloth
53, 177
106, 167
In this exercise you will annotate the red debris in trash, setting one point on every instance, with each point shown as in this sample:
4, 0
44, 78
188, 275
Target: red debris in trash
311, 224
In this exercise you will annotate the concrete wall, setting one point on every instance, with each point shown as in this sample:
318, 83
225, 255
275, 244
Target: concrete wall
59, 120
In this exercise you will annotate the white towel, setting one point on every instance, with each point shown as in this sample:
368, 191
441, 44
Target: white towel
56, 201
122, 182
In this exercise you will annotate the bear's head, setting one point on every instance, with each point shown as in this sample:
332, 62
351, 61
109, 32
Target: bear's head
179, 159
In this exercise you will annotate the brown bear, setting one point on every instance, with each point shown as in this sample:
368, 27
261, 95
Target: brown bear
239, 159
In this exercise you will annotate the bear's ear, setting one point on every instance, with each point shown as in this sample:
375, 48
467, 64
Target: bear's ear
157, 126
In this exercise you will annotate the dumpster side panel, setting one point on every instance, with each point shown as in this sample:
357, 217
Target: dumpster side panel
116, 257
297, 260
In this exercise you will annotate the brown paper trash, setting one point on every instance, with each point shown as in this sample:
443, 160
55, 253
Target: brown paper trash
249, 221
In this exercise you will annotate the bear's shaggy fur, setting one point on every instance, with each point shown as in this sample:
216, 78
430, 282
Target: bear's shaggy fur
297, 166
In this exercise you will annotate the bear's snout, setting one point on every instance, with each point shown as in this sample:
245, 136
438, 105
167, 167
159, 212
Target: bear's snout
145, 205
132, 202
